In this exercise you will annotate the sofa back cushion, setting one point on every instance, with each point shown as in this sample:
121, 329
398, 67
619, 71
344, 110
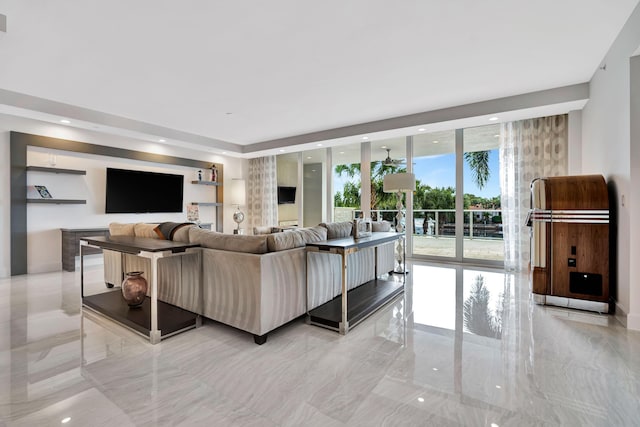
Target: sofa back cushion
228, 242
142, 229
312, 234
285, 240
380, 226
338, 230
119, 229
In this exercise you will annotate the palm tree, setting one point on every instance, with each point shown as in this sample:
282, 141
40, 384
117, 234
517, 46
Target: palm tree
478, 161
379, 199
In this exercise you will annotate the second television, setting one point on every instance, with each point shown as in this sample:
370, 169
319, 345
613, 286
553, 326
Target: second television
286, 195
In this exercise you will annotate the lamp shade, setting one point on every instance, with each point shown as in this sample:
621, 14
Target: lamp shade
395, 182
237, 195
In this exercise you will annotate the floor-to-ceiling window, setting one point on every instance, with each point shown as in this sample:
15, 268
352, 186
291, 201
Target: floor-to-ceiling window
482, 214
434, 164
346, 181
387, 156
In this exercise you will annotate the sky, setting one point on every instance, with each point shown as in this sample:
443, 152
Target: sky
440, 171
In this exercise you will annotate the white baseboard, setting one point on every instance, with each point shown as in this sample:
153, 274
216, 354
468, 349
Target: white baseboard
44, 268
633, 321
621, 315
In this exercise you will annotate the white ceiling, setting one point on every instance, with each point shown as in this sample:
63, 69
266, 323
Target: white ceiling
283, 68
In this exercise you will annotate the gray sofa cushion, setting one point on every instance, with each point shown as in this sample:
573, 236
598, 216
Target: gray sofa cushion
312, 234
380, 226
228, 242
283, 241
338, 230
182, 233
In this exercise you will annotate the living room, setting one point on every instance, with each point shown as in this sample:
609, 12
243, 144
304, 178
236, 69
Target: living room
603, 139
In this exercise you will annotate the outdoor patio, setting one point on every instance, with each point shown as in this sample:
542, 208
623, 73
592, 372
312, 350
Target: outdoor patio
476, 248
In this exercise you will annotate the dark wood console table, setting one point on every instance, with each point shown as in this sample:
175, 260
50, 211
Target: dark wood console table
347, 310
71, 244
155, 319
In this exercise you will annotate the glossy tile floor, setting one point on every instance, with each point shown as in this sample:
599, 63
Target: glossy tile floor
463, 347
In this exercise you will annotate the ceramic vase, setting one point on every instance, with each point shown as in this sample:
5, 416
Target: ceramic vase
134, 288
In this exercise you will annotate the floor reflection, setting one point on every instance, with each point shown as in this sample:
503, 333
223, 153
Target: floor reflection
463, 346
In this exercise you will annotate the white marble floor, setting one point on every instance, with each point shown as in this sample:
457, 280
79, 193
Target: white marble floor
464, 347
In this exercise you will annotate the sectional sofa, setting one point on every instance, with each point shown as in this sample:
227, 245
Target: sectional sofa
253, 283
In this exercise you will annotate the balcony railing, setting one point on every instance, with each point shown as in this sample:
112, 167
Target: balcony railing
478, 223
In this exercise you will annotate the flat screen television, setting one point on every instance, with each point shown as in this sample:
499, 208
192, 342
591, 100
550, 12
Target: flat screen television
130, 191
286, 195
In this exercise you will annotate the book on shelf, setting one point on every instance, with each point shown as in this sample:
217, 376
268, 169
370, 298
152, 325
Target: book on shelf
38, 192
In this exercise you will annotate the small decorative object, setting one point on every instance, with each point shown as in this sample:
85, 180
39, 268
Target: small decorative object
38, 192
214, 173
52, 160
199, 175
193, 213
361, 228
134, 288
237, 197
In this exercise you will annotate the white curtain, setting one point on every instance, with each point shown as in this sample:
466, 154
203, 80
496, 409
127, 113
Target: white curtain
529, 149
262, 187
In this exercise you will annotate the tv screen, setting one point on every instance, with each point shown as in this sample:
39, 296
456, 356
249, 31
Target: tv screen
130, 191
286, 195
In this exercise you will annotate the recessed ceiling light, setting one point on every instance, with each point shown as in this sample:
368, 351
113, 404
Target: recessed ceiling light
282, 151
224, 152
494, 425
421, 130
493, 119
65, 121
435, 142
342, 152
308, 157
421, 399
162, 140
435, 369
383, 147
497, 386
497, 135
365, 137
65, 420
318, 145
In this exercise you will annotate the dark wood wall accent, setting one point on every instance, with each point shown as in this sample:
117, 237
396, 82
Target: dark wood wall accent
581, 192
18, 181
591, 243
71, 244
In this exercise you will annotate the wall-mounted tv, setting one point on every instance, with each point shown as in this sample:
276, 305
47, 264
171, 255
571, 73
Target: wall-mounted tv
286, 195
130, 191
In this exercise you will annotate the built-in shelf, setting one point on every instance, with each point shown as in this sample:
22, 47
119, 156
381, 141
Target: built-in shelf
56, 170
58, 201
206, 182
206, 203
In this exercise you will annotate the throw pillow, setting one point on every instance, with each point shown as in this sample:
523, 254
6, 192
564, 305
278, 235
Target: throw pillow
312, 234
228, 242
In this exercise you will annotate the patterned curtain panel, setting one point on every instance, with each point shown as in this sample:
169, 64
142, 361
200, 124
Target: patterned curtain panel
262, 196
530, 149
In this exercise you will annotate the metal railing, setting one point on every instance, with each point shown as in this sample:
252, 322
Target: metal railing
439, 222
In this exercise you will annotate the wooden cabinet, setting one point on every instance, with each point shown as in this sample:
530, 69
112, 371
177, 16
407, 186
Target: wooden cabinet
570, 242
